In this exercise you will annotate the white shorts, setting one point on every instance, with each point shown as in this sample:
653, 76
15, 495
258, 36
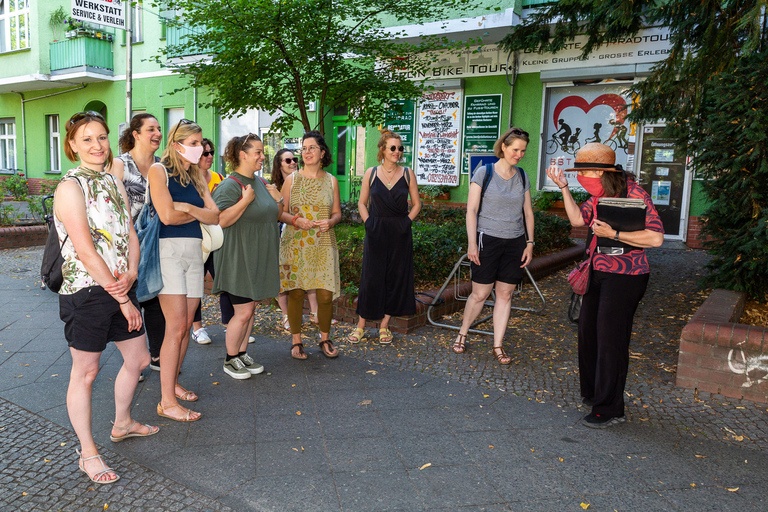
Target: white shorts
181, 263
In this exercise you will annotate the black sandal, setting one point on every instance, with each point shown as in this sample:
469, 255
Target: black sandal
302, 355
326, 347
460, 345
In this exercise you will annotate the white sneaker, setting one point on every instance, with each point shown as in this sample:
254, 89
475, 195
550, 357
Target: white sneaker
201, 336
251, 339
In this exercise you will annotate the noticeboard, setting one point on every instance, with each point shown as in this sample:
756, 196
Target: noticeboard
482, 125
438, 150
401, 121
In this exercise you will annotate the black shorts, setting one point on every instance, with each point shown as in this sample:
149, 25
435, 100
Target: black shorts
237, 300
500, 260
92, 318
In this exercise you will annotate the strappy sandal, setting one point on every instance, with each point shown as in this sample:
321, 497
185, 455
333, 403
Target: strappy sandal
128, 433
501, 357
460, 345
357, 335
186, 395
315, 320
187, 416
284, 324
385, 336
104, 471
302, 355
326, 346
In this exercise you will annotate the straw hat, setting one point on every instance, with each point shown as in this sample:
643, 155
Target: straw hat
595, 157
213, 237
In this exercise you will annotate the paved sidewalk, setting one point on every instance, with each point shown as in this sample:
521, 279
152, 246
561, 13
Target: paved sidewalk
357, 433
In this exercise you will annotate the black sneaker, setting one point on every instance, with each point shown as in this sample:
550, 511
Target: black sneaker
599, 421
154, 364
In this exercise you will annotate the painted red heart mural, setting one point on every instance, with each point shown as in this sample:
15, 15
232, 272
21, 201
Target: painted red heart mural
615, 101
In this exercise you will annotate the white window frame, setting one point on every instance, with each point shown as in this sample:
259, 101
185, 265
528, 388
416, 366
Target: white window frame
54, 144
8, 146
9, 23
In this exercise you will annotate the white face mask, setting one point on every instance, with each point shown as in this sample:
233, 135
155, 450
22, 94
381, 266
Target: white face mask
191, 154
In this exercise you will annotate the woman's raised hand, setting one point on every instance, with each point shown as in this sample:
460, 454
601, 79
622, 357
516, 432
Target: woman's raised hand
557, 175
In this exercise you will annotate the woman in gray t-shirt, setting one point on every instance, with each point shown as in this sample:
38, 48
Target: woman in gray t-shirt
500, 237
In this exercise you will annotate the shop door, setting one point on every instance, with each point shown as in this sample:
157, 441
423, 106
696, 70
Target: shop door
663, 174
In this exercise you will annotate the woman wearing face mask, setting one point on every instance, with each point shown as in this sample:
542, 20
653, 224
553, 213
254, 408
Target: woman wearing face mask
500, 235
247, 262
618, 280
138, 145
309, 256
182, 200
97, 300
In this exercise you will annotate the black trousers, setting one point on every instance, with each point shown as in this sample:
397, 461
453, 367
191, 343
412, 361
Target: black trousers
605, 327
154, 324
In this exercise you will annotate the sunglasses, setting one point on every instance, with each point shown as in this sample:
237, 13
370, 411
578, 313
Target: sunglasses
82, 115
518, 132
397, 148
207, 153
289, 161
181, 122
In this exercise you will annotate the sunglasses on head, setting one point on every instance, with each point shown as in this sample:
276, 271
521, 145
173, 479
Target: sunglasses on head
181, 122
289, 161
397, 148
518, 132
82, 115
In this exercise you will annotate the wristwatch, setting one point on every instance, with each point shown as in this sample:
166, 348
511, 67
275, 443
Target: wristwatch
616, 236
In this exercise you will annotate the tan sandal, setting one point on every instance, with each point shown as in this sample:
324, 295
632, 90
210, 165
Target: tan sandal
105, 470
385, 336
460, 345
356, 336
129, 434
187, 416
186, 395
326, 346
302, 355
501, 357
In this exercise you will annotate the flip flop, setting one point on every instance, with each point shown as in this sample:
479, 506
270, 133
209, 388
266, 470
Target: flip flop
302, 355
326, 346
128, 433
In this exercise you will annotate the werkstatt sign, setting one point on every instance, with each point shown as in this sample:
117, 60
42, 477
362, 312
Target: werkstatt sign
103, 12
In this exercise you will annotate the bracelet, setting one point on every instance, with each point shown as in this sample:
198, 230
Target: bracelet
530, 242
126, 302
564, 186
293, 222
281, 200
616, 236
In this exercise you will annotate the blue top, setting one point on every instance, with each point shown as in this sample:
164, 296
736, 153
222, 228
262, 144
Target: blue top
181, 194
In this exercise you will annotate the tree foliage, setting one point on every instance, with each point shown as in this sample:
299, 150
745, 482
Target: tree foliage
278, 55
708, 91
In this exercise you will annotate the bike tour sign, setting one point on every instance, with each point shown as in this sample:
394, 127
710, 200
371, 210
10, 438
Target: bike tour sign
577, 115
103, 12
438, 158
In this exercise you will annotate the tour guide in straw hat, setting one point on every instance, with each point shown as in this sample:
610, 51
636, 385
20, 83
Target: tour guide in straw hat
617, 282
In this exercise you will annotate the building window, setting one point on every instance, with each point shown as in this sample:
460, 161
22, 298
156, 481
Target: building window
14, 25
54, 144
7, 145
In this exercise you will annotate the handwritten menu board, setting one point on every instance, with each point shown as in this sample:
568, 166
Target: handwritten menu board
482, 122
438, 156
401, 121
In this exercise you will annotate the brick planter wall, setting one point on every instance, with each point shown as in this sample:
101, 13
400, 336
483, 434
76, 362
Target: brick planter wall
719, 355
22, 236
694, 239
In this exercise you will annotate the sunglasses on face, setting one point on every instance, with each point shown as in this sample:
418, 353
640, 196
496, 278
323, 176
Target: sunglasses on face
397, 148
207, 153
290, 161
82, 115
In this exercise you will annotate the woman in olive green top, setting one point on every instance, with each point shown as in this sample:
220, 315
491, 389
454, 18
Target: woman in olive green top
247, 262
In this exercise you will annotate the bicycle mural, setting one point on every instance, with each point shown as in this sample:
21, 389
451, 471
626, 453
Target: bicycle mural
754, 368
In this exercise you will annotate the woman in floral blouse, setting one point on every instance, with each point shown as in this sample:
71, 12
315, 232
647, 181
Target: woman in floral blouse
97, 300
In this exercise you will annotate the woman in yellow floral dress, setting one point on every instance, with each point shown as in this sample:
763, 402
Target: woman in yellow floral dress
309, 256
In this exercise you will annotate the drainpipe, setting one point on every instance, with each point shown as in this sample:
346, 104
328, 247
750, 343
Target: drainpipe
194, 104
24, 117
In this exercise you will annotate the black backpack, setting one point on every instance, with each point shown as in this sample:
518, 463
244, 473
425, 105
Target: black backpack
487, 181
50, 270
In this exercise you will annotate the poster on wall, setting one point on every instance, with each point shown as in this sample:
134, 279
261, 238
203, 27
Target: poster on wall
438, 157
401, 121
575, 116
482, 122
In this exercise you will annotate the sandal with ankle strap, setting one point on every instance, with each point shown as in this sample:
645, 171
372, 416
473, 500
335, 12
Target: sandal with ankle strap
187, 416
460, 345
326, 346
302, 355
186, 395
501, 357
128, 433
104, 469
284, 324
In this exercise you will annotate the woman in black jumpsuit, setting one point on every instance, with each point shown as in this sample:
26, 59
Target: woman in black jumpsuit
386, 282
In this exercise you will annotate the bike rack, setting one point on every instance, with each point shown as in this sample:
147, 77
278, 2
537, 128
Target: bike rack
455, 276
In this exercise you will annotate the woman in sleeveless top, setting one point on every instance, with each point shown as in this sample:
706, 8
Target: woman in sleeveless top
386, 282
97, 300
309, 256
182, 201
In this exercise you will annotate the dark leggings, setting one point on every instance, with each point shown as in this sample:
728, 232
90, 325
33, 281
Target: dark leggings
227, 310
154, 324
605, 327
296, 308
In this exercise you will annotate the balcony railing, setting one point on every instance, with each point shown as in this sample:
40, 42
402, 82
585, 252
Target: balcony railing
177, 36
82, 52
536, 3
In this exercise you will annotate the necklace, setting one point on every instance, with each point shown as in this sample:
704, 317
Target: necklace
389, 175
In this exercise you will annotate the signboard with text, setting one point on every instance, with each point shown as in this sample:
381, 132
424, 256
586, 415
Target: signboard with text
482, 124
438, 154
401, 120
103, 12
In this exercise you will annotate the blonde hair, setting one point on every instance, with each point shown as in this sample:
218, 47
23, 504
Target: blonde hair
382, 144
171, 158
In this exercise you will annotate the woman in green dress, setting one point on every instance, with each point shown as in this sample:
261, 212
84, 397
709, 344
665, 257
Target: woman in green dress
309, 256
247, 262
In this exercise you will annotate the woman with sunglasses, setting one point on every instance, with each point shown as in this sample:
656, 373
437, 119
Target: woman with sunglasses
309, 256
247, 262
617, 281
386, 282
283, 165
181, 198
138, 145
500, 237
97, 300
